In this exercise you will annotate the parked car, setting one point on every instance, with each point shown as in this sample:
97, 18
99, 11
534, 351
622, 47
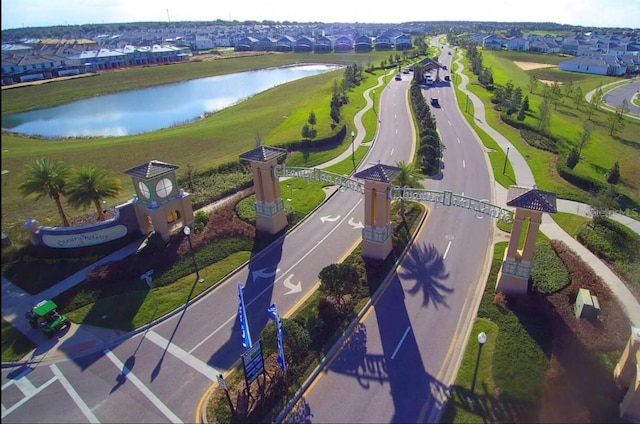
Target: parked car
44, 314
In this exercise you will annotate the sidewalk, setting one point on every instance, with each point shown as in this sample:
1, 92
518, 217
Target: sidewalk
524, 177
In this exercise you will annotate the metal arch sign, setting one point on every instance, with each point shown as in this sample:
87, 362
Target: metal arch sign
315, 174
481, 208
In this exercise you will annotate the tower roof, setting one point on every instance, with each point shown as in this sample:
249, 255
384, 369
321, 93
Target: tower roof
151, 169
380, 173
532, 198
263, 154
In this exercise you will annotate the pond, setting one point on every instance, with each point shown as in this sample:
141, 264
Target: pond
149, 109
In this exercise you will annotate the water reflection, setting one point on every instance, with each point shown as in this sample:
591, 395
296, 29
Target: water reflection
149, 109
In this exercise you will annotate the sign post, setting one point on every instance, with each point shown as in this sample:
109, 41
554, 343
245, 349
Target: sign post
253, 362
147, 278
223, 384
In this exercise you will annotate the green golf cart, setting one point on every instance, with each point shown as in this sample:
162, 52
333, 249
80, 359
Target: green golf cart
44, 315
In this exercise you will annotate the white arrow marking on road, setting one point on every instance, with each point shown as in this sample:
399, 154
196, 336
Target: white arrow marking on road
293, 288
262, 273
355, 224
329, 218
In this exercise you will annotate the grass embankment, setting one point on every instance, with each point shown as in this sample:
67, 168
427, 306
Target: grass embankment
567, 122
275, 116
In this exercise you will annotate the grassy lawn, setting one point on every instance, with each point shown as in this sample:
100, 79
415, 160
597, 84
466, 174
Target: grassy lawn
569, 222
275, 116
566, 123
15, 345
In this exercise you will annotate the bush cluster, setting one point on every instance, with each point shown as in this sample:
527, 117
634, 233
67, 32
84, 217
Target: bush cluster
549, 275
430, 148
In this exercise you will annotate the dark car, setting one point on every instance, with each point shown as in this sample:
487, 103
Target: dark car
446, 78
398, 77
435, 102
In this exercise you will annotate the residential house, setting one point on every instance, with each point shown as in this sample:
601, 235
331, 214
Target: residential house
585, 64
304, 45
285, 44
493, 42
518, 44
403, 42
323, 44
343, 44
384, 41
246, 44
364, 43
266, 44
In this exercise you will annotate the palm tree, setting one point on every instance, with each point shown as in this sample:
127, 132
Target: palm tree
408, 177
47, 177
89, 186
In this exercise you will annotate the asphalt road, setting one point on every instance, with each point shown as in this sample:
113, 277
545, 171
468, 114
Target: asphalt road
160, 375
404, 354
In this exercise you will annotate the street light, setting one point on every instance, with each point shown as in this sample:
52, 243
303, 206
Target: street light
504, 168
482, 339
187, 232
353, 152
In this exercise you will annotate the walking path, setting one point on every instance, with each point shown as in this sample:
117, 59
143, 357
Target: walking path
524, 177
82, 339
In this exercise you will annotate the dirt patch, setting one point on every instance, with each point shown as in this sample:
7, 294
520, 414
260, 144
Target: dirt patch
527, 66
549, 82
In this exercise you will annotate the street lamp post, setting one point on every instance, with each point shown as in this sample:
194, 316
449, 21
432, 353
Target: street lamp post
353, 152
504, 168
482, 339
187, 232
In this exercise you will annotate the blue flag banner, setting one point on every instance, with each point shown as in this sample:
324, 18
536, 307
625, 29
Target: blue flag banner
242, 316
273, 313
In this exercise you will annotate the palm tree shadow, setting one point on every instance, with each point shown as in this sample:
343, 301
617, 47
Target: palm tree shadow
425, 265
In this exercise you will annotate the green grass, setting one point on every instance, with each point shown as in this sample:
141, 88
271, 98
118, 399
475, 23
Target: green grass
569, 222
520, 383
566, 123
15, 345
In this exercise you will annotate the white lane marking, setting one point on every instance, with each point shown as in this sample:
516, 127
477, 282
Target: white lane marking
458, 140
26, 387
404, 336
463, 164
446, 251
391, 152
7, 411
183, 355
144, 389
281, 276
449, 122
84, 408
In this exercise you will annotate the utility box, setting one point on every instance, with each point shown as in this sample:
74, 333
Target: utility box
586, 306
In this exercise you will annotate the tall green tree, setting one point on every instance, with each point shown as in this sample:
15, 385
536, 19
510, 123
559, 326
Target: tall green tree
585, 135
47, 177
338, 280
544, 117
89, 186
408, 177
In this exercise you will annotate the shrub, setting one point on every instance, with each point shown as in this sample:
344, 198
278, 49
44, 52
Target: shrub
548, 275
613, 175
573, 158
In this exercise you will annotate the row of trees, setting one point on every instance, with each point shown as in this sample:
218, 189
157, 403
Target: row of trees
429, 149
83, 187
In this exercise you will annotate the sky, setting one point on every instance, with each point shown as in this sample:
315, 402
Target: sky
596, 13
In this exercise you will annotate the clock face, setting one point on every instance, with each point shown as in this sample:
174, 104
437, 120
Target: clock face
164, 187
144, 190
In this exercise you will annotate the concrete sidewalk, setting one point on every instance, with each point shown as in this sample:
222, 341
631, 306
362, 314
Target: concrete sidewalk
524, 177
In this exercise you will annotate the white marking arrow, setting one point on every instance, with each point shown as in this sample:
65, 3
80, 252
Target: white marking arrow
293, 288
354, 224
262, 273
329, 218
